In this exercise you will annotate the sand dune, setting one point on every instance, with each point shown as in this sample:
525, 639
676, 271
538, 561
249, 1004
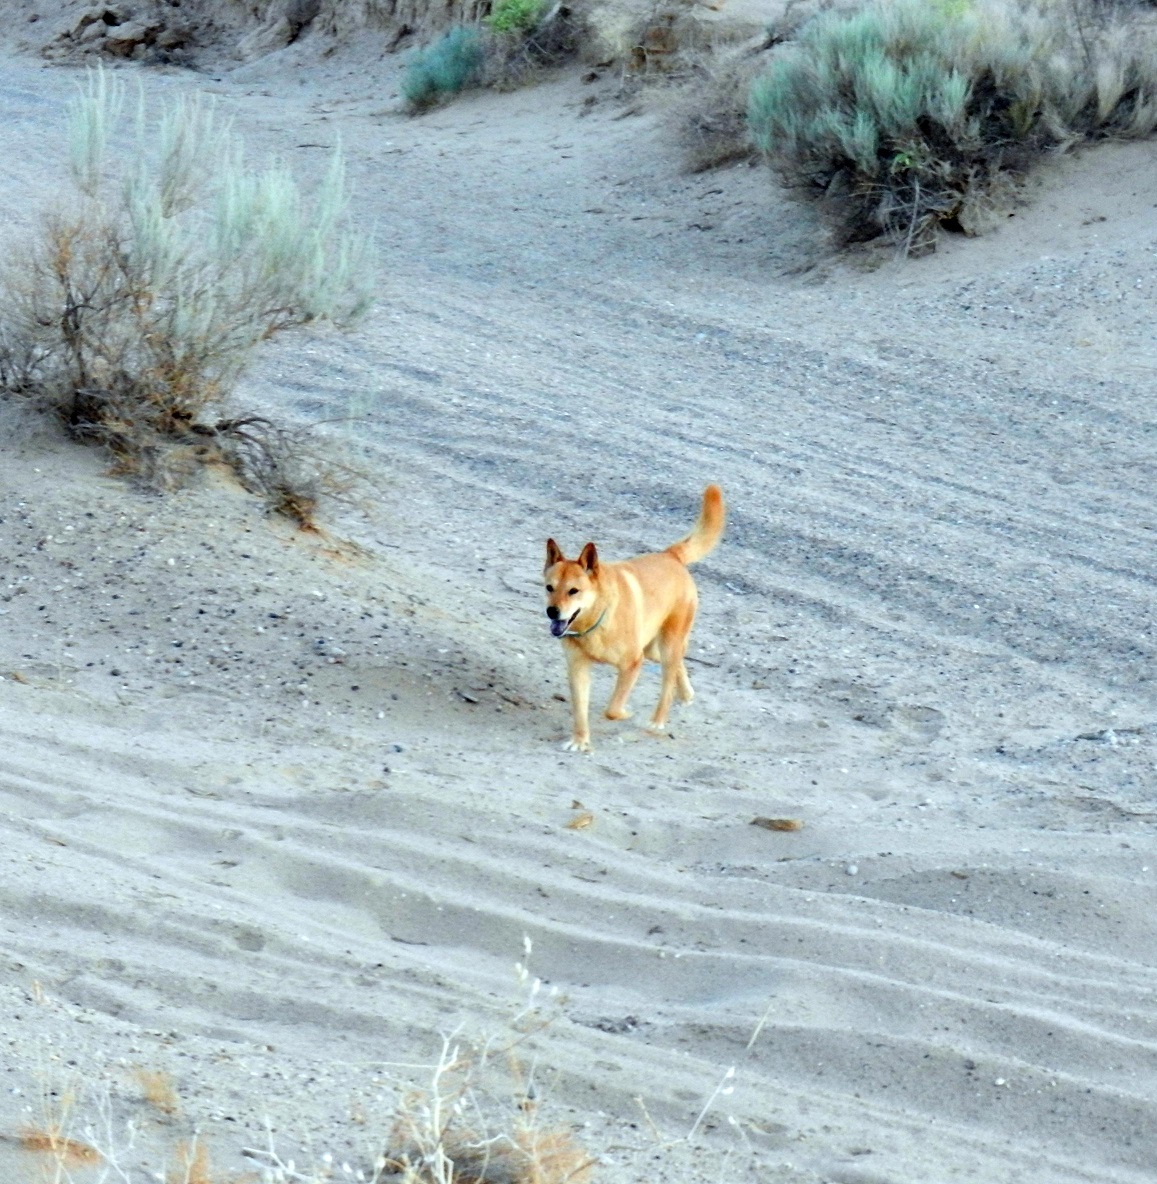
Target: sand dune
278, 809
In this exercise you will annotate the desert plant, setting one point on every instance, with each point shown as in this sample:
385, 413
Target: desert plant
524, 36
475, 1119
452, 1131
515, 16
445, 68
905, 113
516, 40
141, 305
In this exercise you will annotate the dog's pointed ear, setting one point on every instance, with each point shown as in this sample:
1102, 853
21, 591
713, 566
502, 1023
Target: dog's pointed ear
553, 554
590, 559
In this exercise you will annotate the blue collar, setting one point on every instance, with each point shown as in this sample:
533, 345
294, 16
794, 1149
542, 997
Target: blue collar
568, 633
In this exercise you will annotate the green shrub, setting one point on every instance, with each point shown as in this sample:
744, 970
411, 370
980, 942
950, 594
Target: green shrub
449, 65
903, 114
515, 16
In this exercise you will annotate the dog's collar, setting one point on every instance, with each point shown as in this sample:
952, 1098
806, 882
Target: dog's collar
569, 633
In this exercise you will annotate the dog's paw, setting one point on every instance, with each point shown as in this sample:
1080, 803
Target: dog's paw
576, 745
624, 714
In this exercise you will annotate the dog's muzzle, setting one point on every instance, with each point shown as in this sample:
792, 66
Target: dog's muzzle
558, 626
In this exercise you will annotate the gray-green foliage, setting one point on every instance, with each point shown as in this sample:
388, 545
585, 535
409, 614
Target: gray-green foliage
150, 290
905, 111
442, 69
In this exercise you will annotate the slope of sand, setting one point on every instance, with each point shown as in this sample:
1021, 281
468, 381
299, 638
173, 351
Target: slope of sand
278, 809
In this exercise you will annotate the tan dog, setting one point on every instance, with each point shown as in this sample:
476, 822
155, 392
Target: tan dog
621, 613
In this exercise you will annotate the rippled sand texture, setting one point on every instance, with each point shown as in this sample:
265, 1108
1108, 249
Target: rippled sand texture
277, 810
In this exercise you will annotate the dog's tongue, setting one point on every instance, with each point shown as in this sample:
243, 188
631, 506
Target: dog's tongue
558, 627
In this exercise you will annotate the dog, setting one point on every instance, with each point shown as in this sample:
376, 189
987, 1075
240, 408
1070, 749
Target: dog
621, 613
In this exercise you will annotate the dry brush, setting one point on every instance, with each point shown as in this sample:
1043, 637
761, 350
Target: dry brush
145, 297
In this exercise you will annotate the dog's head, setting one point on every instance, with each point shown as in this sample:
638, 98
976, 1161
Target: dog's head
571, 585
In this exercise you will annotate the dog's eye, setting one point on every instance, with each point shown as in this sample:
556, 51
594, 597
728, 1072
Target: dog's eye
550, 587
573, 592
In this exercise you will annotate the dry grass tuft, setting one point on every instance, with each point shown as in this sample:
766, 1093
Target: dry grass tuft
192, 1166
541, 1158
552, 1157
453, 1131
457, 1130
158, 1090
51, 1137
527, 1156
51, 1141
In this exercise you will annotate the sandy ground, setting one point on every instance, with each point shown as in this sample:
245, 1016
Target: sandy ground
279, 809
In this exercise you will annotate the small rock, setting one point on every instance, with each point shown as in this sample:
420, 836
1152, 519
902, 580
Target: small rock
123, 40
173, 37
852, 869
101, 14
300, 14
778, 823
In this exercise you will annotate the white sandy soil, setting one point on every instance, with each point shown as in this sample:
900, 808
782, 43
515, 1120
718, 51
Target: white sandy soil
278, 809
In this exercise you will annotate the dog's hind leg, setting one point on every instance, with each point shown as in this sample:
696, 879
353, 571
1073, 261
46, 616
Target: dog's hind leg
683, 684
683, 689
672, 646
628, 676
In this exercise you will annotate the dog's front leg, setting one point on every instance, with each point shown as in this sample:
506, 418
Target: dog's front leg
628, 676
579, 675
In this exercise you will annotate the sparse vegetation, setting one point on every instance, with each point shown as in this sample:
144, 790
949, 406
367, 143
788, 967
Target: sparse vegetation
710, 111
147, 295
445, 68
452, 1130
518, 38
515, 16
437, 1137
476, 1119
158, 1090
903, 116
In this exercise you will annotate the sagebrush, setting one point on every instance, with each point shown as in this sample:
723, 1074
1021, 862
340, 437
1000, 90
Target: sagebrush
444, 68
147, 293
905, 114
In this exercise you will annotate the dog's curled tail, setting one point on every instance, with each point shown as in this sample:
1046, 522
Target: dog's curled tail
702, 539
